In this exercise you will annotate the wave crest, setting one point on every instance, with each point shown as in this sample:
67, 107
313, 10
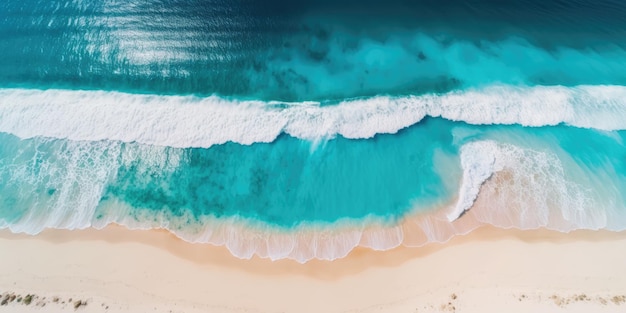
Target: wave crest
189, 121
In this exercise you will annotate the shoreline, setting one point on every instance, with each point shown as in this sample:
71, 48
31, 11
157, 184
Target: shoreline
248, 239
485, 271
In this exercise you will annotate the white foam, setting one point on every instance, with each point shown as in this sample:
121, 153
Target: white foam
479, 163
503, 185
76, 174
527, 189
189, 121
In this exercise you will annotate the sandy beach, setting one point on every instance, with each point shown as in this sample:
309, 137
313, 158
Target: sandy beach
489, 270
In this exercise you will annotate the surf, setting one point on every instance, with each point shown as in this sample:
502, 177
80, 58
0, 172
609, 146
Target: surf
190, 121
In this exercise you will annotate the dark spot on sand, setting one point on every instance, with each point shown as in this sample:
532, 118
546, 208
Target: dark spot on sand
618, 299
79, 303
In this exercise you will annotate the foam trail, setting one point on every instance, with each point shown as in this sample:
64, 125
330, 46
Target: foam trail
188, 121
540, 175
529, 189
479, 163
60, 184
503, 185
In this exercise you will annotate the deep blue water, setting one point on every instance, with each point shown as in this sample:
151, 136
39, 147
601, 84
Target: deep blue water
293, 113
312, 50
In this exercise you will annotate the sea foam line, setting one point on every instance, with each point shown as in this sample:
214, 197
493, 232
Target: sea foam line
190, 121
503, 185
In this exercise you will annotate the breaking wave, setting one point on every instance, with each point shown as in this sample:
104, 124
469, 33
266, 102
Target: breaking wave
189, 121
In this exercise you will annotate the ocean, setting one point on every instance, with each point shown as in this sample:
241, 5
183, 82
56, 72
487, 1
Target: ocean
303, 129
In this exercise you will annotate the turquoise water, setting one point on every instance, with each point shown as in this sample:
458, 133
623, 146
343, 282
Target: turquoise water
289, 129
283, 183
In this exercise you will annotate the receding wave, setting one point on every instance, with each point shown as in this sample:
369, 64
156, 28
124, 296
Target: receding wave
502, 184
189, 121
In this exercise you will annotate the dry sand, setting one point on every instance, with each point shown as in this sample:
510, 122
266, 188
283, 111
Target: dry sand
489, 270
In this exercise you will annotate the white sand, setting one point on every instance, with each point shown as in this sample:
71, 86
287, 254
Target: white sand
151, 271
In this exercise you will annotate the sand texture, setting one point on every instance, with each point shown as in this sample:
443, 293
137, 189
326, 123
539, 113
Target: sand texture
489, 270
